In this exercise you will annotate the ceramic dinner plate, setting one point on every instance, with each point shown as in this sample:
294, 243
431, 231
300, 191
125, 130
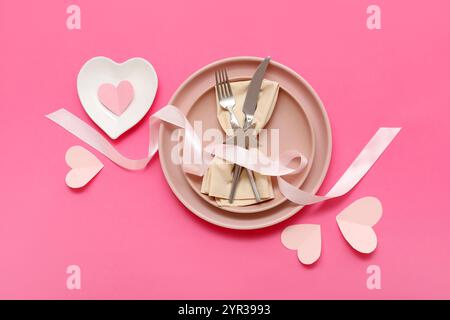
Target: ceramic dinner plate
300, 99
294, 129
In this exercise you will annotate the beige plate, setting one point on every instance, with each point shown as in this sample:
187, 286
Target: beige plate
197, 91
295, 132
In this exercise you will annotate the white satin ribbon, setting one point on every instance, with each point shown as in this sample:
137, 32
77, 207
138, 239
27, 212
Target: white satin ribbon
250, 159
359, 167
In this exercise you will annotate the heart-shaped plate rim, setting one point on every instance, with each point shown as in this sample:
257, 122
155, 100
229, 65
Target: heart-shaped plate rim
97, 111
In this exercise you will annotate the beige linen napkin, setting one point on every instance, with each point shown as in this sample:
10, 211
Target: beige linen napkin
218, 179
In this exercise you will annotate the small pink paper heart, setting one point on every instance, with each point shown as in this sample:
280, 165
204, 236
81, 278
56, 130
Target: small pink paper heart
306, 239
84, 164
356, 222
116, 99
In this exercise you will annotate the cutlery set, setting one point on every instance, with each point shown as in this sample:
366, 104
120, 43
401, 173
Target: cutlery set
227, 101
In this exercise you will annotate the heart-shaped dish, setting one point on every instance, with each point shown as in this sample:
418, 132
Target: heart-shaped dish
100, 71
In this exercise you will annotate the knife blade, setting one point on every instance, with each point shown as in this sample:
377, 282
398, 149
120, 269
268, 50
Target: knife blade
251, 99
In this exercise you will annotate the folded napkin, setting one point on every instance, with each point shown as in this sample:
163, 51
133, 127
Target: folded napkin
218, 179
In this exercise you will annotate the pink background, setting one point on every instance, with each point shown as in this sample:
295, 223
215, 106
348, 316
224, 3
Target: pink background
127, 231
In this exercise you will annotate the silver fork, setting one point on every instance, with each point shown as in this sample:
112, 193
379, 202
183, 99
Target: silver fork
226, 98
228, 102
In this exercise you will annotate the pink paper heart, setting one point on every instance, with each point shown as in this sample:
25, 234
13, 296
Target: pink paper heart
356, 222
116, 99
84, 164
306, 239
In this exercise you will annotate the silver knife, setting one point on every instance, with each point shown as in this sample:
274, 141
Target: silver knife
249, 108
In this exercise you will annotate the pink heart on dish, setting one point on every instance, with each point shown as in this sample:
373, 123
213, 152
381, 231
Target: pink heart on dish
306, 239
84, 164
356, 222
116, 99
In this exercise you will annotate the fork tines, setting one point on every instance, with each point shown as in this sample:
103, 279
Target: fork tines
223, 83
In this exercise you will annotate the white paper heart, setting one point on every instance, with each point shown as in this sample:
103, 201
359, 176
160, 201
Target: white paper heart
356, 222
84, 164
306, 239
100, 70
